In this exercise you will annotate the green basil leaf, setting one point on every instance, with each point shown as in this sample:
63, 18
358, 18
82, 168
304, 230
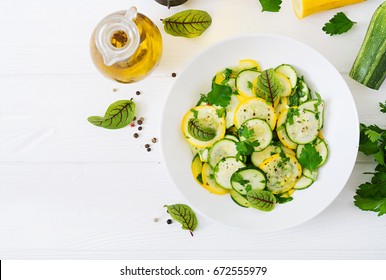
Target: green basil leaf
118, 115
183, 214
188, 23
199, 132
262, 200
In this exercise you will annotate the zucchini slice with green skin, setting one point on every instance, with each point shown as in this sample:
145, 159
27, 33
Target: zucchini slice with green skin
303, 128
313, 175
304, 92
255, 108
316, 106
258, 157
197, 169
247, 179
288, 71
221, 149
369, 67
261, 132
244, 82
303, 183
321, 148
209, 182
282, 133
225, 169
282, 173
230, 111
239, 199
231, 137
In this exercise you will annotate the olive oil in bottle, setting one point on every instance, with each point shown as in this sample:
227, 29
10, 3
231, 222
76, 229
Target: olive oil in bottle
126, 46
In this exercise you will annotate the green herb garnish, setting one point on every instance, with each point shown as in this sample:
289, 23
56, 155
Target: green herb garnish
339, 24
309, 157
200, 132
262, 200
188, 23
119, 114
269, 86
371, 196
183, 214
220, 95
270, 5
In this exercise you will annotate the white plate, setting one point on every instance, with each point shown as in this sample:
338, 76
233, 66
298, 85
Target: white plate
341, 130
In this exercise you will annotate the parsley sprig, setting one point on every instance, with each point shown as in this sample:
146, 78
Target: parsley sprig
339, 24
247, 146
371, 196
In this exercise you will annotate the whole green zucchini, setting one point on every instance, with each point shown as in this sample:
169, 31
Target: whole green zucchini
369, 67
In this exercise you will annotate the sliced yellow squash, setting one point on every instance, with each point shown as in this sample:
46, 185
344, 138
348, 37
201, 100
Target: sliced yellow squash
202, 126
209, 182
283, 105
197, 169
255, 108
285, 83
248, 64
282, 173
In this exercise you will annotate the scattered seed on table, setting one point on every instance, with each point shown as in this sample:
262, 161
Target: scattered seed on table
137, 92
148, 149
139, 122
135, 135
155, 220
132, 124
147, 146
135, 118
174, 75
115, 89
139, 127
154, 140
169, 221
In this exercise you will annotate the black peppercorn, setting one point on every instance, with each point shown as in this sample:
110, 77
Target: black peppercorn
135, 135
169, 221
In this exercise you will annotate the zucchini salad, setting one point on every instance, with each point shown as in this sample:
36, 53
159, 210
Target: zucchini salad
257, 135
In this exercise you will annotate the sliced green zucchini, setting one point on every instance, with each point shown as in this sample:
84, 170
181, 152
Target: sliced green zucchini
244, 82
303, 127
258, 157
225, 169
303, 183
313, 175
288, 71
230, 111
303, 92
209, 182
197, 169
282, 172
261, 132
320, 146
239, 199
221, 149
231, 137
255, 108
282, 133
203, 154
316, 106
248, 179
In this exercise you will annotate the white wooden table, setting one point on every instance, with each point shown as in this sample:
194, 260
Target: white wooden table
70, 190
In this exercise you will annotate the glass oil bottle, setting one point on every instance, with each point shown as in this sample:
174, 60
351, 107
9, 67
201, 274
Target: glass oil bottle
126, 46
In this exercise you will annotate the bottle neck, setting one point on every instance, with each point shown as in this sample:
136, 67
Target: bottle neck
117, 36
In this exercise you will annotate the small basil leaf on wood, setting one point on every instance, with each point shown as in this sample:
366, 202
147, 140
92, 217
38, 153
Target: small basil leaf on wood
262, 200
200, 132
119, 114
188, 23
183, 214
